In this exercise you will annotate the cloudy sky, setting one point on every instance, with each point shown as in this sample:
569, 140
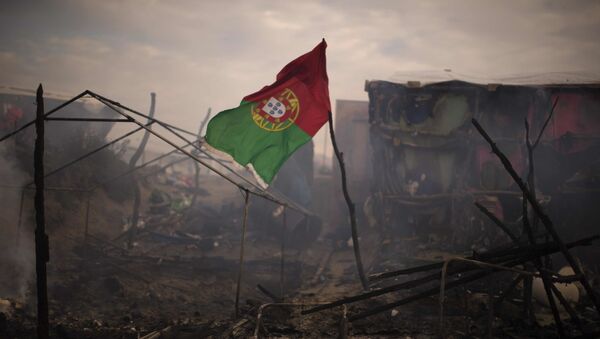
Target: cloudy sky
196, 54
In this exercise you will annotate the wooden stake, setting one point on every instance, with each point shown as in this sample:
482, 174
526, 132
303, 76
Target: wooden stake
351, 208
548, 284
519, 259
42, 255
137, 195
543, 216
239, 278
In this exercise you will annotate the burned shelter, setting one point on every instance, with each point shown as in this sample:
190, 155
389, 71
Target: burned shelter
430, 165
145, 244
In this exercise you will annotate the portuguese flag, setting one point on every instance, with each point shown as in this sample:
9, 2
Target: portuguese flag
269, 125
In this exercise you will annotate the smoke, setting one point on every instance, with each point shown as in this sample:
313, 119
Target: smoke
17, 254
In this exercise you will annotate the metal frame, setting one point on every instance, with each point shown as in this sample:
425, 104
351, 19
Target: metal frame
245, 185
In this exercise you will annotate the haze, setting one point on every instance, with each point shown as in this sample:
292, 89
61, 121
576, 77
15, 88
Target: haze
198, 54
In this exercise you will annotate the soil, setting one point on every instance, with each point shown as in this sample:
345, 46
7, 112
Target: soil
179, 278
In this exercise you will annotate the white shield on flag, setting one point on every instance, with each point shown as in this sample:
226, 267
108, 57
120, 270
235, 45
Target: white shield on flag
274, 108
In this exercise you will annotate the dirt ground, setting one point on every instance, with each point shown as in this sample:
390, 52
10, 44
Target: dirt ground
179, 279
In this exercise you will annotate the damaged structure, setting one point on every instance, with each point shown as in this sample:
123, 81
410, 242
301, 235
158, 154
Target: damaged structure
435, 179
431, 164
469, 200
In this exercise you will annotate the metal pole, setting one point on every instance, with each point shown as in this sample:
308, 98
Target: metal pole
138, 167
281, 271
543, 216
42, 255
89, 119
91, 153
61, 106
351, 208
239, 277
260, 191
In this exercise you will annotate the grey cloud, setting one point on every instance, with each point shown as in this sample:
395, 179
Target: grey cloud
195, 54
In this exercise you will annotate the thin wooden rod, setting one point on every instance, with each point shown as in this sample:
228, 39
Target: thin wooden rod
420, 281
351, 208
241, 265
537, 208
489, 255
498, 223
529, 229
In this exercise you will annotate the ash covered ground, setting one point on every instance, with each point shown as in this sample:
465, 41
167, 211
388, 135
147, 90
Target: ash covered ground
175, 274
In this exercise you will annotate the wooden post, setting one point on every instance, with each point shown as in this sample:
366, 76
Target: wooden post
239, 277
351, 208
42, 255
543, 216
530, 231
137, 195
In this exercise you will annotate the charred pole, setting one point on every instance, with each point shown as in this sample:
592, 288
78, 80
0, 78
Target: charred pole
540, 213
529, 230
42, 251
518, 258
241, 266
351, 208
137, 195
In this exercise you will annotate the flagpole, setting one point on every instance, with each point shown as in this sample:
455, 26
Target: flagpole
351, 208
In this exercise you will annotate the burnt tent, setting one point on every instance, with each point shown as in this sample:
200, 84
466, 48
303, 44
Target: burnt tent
429, 165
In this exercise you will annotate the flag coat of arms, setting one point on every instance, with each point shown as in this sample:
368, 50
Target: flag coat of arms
269, 125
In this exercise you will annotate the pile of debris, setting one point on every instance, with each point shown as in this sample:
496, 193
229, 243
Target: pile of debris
524, 257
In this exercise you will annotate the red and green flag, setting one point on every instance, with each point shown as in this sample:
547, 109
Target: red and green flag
269, 125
